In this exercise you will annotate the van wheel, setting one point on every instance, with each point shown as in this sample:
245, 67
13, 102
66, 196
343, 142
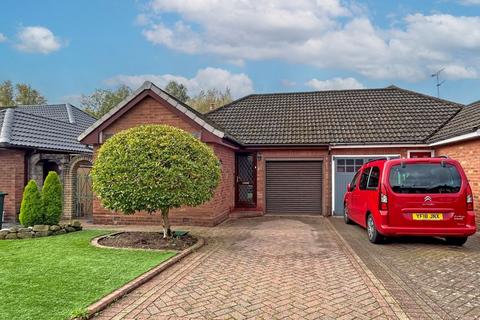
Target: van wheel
456, 241
346, 217
373, 235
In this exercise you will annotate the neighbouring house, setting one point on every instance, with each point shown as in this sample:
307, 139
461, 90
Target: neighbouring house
37, 139
294, 153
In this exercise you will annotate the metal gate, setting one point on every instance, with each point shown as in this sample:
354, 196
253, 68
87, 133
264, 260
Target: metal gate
83, 193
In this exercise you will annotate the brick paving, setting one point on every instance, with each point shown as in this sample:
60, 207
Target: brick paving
264, 268
429, 279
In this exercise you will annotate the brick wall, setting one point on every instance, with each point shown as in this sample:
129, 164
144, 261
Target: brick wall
150, 111
468, 154
12, 179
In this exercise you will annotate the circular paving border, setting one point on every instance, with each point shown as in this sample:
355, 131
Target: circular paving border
140, 280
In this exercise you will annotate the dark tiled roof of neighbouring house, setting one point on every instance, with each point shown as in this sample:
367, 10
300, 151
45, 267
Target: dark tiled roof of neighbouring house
464, 122
46, 127
365, 116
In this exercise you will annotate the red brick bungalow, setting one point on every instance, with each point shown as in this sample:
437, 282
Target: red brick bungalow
294, 153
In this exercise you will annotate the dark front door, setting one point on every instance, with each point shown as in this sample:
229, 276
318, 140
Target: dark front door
246, 193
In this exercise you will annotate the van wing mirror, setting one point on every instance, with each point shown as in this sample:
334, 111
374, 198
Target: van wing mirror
349, 187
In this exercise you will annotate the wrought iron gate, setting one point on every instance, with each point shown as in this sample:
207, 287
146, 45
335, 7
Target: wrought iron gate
83, 194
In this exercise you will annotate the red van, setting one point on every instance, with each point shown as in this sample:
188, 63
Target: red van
421, 197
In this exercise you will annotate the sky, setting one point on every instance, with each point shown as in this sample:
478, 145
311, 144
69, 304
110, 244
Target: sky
68, 48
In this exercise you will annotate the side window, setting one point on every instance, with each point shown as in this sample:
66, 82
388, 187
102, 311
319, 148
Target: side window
364, 179
374, 178
353, 184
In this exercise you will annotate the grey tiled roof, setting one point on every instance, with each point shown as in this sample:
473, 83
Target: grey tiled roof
372, 116
465, 121
46, 127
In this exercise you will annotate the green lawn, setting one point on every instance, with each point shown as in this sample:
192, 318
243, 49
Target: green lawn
49, 278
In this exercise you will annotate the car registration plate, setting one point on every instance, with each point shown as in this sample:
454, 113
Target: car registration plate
427, 216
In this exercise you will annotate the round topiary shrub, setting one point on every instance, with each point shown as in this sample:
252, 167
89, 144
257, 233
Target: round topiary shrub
31, 209
52, 197
154, 168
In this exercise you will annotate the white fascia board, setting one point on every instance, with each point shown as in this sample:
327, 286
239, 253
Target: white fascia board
367, 146
456, 139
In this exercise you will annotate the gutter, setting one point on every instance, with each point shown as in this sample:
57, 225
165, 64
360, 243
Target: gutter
462, 137
361, 146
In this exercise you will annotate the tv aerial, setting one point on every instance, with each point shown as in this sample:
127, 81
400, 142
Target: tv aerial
439, 82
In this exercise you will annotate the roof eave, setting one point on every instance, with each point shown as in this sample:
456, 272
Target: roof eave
463, 137
200, 120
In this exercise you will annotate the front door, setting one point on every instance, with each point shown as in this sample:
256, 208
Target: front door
246, 175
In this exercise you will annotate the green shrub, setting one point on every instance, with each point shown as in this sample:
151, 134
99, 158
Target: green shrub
52, 197
31, 210
154, 168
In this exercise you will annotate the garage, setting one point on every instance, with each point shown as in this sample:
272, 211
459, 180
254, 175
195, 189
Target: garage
294, 187
344, 169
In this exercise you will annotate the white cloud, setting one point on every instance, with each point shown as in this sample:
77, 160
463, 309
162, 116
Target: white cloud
2, 37
288, 83
326, 34
37, 39
73, 99
334, 84
209, 78
469, 2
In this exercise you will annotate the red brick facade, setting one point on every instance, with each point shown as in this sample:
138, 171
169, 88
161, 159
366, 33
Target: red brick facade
12, 172
468, 154
151, 111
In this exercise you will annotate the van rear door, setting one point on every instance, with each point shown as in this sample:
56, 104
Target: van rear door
428, 193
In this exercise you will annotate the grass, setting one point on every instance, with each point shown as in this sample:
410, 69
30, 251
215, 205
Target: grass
55, 277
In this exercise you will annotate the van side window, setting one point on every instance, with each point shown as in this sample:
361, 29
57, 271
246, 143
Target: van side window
353, 184
364, 179
373, 179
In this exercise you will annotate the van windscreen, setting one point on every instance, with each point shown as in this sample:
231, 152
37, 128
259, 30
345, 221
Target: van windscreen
425, 178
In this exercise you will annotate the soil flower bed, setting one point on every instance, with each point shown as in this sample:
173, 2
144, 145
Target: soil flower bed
148, 240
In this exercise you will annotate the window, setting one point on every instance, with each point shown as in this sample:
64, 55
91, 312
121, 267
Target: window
349, 165
425, 178
364, 179
374, 178
353, 184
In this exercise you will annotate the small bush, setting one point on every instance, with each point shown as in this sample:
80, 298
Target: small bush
52, 195
31, 210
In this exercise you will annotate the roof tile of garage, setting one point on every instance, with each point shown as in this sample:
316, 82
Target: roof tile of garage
366, 116
464, 122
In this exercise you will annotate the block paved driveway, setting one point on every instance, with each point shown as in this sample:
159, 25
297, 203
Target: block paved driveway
309, 268
263, 268
429, 279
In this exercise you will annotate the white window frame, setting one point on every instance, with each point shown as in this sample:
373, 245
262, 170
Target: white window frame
432, 152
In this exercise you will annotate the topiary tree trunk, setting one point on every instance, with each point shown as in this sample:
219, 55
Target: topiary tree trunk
167, 232
31, 209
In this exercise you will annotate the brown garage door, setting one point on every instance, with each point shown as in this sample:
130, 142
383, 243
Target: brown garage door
294, 187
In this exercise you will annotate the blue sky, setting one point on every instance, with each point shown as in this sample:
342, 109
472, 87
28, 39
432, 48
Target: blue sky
69, 48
